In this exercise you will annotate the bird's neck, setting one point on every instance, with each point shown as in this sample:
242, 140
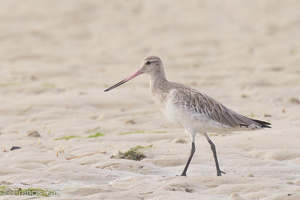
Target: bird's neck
159, 83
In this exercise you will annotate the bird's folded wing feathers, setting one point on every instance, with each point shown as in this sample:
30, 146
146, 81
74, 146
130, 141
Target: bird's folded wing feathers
201, 103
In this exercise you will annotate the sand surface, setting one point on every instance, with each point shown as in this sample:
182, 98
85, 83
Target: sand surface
57, 57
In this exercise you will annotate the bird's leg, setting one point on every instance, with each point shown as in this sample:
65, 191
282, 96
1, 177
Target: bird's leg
213, 148
189, 160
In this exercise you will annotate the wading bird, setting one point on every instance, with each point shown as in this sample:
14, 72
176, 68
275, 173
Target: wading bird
193, 110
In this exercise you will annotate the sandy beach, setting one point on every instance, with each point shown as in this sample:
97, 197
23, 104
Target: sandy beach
59, 130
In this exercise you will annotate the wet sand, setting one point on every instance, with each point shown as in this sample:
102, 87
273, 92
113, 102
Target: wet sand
57, 58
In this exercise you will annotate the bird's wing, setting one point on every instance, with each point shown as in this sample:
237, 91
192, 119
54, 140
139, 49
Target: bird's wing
200, 103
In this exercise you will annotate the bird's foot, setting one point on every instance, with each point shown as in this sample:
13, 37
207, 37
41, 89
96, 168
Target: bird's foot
219, 173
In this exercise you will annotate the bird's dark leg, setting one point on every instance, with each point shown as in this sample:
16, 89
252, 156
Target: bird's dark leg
213, 148
189, 160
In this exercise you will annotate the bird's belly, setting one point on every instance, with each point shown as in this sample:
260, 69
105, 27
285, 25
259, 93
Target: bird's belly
190, 119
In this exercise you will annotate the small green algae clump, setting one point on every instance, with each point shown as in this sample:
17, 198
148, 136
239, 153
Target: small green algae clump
4, 190
95, 135
67, 137
133, 132
134, 153
73, 136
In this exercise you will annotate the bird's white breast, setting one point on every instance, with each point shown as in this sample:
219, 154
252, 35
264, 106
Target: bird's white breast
177, 111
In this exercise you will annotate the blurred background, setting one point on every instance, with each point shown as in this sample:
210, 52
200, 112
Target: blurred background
195, 33
83, 46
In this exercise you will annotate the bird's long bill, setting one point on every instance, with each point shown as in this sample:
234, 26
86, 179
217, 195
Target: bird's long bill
138, 72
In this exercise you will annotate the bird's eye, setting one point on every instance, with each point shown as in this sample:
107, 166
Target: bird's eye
148, 62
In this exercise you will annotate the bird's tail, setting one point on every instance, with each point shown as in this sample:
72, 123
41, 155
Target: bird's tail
262, 123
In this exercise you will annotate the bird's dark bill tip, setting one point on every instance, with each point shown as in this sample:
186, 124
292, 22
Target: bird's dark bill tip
116, 85
106, 90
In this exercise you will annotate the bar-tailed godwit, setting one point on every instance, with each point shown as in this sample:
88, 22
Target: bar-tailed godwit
193, 110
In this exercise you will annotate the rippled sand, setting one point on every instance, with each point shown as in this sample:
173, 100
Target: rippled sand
56, 58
